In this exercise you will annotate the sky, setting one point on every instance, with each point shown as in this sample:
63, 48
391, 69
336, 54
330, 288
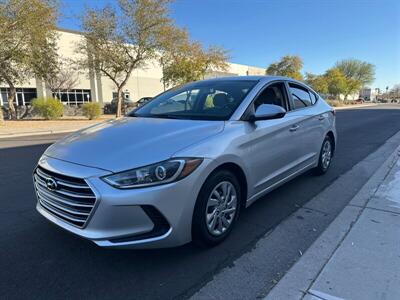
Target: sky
259, 32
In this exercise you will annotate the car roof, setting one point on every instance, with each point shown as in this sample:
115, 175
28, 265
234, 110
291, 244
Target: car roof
261, 79
265, 78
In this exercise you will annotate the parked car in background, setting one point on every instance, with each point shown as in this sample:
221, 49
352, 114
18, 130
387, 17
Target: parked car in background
173, 171
382, 100
359, 100
111, 108
143, 101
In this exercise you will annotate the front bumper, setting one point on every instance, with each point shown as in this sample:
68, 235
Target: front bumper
151, 217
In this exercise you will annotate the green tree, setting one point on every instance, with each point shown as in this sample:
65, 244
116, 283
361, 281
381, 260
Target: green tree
352, 86
27, 42
337, 82
357, 70
318, 82
171, 51
117, 44
289, 66
184, 61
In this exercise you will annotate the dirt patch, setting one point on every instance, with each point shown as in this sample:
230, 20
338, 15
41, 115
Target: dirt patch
35, 126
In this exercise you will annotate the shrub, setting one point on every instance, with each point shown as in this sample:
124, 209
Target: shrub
1, 116
91, 110
48, 108
334, 103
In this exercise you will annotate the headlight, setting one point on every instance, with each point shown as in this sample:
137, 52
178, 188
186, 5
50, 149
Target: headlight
160, 173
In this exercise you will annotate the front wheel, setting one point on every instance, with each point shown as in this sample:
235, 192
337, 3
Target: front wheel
325, 156
217, 208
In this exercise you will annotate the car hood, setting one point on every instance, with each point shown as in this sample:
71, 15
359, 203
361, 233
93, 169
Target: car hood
127, 143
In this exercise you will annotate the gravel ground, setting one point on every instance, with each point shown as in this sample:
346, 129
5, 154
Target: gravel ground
34, 126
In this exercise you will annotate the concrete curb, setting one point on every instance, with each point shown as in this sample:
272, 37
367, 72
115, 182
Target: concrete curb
354, 106
44, 132
299, 279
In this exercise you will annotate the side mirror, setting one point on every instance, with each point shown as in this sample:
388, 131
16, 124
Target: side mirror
267, 112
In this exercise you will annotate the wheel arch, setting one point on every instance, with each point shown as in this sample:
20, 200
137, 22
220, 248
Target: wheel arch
240, 175
332, 137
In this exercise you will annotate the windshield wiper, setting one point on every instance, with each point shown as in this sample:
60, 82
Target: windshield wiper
179, 117
162, 116
169, 116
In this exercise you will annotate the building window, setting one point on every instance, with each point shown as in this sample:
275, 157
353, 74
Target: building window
126, 95
3, 96
24, 96
73, 97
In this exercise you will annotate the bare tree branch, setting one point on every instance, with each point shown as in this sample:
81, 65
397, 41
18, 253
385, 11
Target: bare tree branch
117, 45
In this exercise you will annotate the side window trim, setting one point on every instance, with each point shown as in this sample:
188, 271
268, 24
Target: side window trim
290, 99
286, 96
316, 97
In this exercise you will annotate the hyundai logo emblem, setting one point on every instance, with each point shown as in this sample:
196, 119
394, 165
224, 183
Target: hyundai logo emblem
51, 184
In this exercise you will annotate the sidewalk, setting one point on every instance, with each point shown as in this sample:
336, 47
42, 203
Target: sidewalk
355, 106
358, 255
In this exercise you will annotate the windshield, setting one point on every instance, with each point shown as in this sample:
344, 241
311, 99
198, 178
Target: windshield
204, 100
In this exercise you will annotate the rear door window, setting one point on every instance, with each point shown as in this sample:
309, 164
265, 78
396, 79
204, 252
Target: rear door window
301, 96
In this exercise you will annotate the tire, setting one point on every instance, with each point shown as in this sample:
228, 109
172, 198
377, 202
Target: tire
325, 156
202, 232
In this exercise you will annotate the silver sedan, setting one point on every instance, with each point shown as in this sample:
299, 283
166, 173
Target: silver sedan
183, 166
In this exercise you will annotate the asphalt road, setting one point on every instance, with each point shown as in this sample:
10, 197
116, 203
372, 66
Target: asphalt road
39, 260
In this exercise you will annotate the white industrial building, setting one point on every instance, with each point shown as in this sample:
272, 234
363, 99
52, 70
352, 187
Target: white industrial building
368, 94
96, 88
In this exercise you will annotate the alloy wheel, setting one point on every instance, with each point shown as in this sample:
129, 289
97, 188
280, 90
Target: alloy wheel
326, 154
221, 208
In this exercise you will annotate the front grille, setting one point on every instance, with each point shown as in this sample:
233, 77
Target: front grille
72, 200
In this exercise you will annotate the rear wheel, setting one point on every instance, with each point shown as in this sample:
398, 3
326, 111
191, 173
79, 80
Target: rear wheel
325, 156
217, 208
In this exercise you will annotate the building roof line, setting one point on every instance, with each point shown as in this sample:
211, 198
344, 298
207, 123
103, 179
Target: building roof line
81, 33
69, 30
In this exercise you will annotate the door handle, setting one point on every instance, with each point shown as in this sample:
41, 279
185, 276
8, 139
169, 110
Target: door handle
294, 127
321, 117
